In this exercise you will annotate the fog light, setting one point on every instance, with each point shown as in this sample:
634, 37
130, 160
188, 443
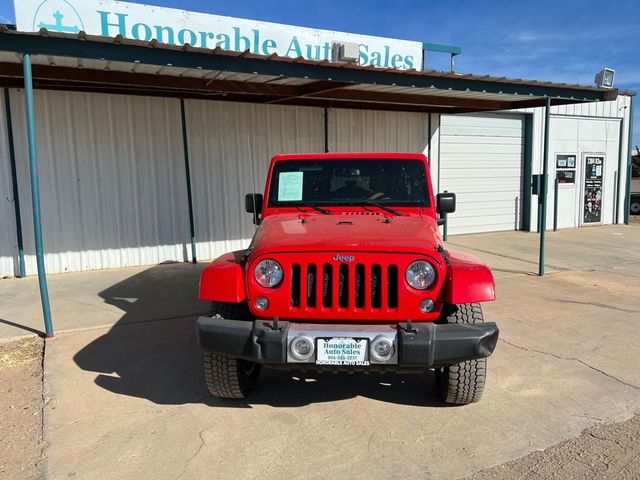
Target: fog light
381, 349
427, 305
302, 348
262, 303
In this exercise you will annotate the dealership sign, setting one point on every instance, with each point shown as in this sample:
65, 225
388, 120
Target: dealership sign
178, 27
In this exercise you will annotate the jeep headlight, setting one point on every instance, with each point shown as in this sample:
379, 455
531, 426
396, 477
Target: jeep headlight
268, 273
420, 275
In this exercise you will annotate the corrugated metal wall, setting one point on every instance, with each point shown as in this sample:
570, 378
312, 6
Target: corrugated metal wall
112, 170
375, 131
230, 146
8, 240
112, 180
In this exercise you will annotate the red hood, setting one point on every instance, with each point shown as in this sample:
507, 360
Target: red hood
346, 231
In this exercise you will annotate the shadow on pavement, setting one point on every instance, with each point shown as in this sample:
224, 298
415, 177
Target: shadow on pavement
40, 333
152, 353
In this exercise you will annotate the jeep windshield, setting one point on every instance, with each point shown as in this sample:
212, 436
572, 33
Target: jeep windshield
349, 182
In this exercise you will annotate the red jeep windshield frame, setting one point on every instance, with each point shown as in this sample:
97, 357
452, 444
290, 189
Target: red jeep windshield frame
346, 180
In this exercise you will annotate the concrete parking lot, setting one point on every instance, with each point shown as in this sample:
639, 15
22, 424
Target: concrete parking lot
127, 400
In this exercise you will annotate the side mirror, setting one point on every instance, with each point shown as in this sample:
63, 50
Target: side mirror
446, 203
253, 204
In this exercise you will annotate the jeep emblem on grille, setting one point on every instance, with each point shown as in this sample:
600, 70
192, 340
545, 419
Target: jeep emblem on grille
344, 258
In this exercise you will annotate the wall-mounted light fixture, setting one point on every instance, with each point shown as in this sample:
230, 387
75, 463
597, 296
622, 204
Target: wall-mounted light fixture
604, 78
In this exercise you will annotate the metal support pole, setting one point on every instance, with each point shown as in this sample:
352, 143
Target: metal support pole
627, 193
444, 225
615, 198
429, 141
14, 183
542, 198
35, 195
555, 205
185, 144
619, 177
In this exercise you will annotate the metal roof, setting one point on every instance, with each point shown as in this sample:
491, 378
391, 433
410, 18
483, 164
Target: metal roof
120, 65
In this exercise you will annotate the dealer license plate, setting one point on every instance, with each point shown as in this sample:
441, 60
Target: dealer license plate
342, 351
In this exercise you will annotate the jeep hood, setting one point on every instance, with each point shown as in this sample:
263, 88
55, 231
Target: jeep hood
345, 232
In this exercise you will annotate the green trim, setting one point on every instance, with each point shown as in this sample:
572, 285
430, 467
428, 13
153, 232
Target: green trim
556, 182
619, 177
14, 185
527, 171
436, 47
184, 59
429, 144
545, 186
35, 195
325, 121
627, 198
187, 169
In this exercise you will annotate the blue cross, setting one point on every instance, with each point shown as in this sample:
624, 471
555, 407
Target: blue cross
58, 26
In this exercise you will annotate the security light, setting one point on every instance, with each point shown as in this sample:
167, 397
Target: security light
604, 78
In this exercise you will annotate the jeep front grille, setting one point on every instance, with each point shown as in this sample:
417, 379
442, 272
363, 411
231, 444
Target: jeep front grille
344, 286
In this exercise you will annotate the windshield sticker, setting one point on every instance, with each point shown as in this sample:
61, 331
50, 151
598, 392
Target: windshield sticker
290, 186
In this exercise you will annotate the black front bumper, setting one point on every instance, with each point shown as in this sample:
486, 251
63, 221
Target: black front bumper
423, 345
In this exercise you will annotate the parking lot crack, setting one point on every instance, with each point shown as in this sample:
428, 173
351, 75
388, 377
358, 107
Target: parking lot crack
197, 452
572, 359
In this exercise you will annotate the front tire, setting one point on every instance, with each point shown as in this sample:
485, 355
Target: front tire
464, 382
225, 376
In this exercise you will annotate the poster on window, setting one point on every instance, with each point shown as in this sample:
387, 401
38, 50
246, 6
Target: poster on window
593, 189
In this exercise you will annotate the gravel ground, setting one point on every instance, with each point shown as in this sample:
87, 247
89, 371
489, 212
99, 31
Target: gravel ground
604, 451
21, 409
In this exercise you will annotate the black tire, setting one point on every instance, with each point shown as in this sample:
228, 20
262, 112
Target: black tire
463, 383
635, 205
229, 377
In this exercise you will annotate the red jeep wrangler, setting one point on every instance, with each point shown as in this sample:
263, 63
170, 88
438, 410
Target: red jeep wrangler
348, 272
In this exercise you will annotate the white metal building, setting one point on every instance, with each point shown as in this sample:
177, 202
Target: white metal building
120, 186
112, 171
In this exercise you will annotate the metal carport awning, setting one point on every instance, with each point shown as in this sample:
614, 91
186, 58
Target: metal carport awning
80, 62
119, 65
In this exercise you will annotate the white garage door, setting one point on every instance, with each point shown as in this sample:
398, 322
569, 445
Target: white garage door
481, 160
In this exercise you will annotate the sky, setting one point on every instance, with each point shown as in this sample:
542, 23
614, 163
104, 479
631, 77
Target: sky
557, 40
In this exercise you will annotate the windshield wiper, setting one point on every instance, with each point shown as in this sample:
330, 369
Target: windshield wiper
369, 203
314, 206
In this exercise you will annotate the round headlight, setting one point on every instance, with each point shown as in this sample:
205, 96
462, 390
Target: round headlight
268, 273
420, 274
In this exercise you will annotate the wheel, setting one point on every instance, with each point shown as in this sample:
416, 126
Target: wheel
229, 377
463, 383
635, 205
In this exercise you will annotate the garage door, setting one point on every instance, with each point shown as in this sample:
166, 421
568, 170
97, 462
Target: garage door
481, 160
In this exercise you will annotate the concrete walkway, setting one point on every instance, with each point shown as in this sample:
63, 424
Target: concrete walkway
101, 298
129, 402
139, 294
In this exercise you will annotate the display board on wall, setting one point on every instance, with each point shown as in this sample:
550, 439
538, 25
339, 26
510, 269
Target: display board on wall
594, 165
566, 168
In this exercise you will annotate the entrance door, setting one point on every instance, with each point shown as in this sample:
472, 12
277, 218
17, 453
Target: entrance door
592, 189
568, 189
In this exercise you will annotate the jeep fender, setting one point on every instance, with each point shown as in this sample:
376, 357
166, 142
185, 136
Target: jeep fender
222, 280
469, 280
